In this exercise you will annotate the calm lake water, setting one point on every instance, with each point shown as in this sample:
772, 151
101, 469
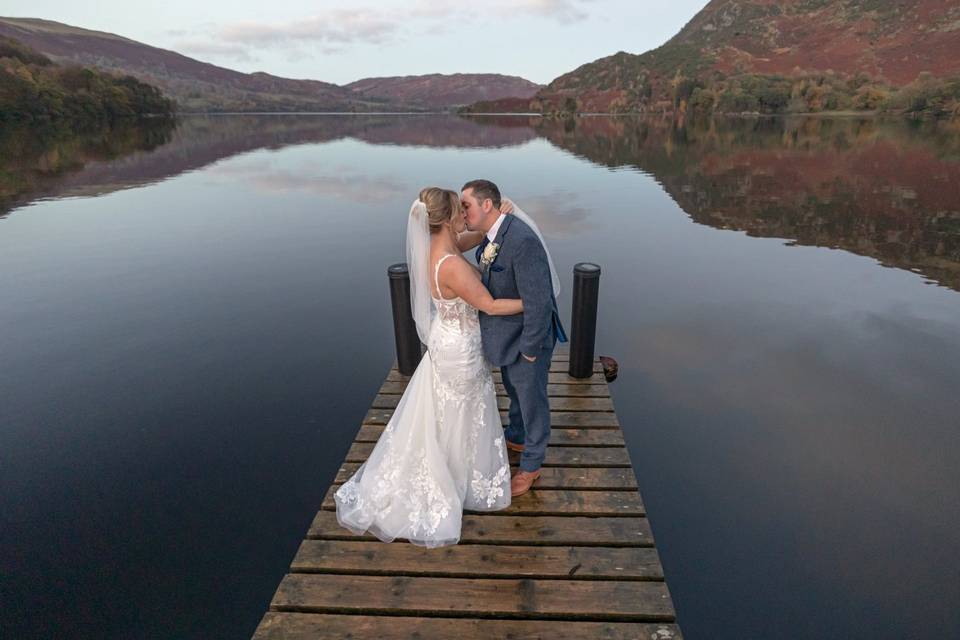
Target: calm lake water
194, 320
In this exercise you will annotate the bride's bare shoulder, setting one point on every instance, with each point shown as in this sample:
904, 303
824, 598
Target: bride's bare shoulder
444, 259
457, 267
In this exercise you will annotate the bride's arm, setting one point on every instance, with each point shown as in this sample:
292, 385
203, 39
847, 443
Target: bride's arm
465, 282
468, 240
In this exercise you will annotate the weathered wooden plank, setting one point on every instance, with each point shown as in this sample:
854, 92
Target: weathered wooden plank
553, 390
556, 365
583, 419
559, 436
556, 456
281, 625
390, 401
478, 561
589, 478
563, 355
581, 457
556, 377
492, 597
569, 389
546, 502
550, 502
522, 530
564, 358
564, 366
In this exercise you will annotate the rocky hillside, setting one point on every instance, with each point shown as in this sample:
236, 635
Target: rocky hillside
436, 91
892, 39
200, 86
776, 51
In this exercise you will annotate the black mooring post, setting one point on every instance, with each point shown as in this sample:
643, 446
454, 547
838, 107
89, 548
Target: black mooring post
583, 326
409, 350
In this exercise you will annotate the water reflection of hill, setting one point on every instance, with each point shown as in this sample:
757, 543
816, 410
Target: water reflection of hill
885, 189
37, 162
36, 165
888, 190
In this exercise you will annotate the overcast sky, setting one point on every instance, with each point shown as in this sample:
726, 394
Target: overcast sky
341, 41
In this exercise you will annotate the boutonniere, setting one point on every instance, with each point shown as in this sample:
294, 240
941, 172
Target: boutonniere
489, 254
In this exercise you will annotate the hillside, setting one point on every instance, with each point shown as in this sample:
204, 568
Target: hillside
774, 57
195, 85
437, 91
200, 86
33, 88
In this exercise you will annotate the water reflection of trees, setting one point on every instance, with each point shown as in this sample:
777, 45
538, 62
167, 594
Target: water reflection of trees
41, 163
885, 189
35, 160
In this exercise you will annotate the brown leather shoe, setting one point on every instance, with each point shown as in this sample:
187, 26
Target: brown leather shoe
521, 482
513, 446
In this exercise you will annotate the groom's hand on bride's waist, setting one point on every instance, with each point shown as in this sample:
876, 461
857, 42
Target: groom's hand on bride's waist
528, 358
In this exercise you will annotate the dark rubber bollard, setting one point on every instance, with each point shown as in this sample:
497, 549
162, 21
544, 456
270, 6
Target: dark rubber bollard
409, 350
586, 292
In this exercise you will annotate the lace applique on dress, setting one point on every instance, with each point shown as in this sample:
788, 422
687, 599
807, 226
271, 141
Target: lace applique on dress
442, 450
428, 504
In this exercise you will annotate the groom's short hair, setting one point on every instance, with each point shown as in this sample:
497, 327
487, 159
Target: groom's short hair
483, 189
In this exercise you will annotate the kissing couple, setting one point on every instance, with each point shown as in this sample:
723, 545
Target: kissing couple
444, 448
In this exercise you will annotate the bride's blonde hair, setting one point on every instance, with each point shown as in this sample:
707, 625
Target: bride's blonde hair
442, 205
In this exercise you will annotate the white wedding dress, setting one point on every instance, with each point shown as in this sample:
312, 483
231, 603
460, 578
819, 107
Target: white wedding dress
442, 451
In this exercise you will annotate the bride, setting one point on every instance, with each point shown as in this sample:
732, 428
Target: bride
443, 450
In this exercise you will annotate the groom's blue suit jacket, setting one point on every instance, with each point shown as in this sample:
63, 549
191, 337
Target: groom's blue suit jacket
520, 270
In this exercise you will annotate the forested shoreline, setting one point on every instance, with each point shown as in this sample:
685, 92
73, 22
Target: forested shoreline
34, 88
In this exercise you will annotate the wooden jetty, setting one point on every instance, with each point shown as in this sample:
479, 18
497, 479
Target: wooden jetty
573, 558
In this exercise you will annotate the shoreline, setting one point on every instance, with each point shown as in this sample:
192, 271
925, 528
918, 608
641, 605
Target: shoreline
633, 114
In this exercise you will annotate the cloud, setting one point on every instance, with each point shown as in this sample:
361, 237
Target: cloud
565, 11
560, 10
337, 28
352, 184
207, 48
558, 215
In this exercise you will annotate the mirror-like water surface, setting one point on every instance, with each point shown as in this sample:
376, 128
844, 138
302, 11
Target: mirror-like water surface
193, 321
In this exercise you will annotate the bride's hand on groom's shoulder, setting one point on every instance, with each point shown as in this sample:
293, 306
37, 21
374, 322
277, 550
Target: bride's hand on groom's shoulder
506, 205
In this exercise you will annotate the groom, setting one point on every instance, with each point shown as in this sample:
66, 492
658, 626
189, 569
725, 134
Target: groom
514, 265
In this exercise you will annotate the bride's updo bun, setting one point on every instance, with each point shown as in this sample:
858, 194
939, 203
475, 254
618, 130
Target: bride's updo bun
442, 205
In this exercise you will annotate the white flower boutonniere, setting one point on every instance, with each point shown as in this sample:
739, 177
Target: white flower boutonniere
489, 254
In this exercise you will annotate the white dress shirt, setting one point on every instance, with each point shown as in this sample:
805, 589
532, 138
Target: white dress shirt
492, 233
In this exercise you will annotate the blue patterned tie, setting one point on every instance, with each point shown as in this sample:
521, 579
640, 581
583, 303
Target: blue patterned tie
483, 245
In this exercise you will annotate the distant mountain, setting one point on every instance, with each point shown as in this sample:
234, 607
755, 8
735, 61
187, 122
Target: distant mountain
200, 86
760, 55
436, 91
